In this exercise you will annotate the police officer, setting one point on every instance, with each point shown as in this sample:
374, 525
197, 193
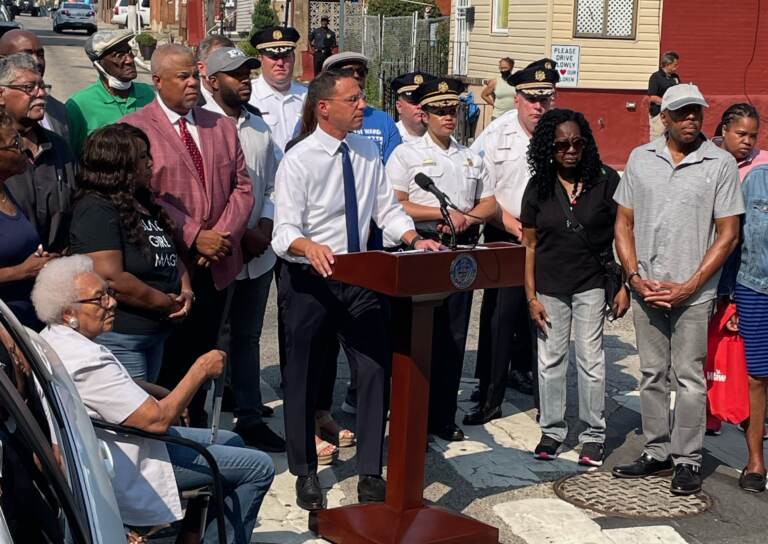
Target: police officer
459, 173
412, 120
505, 331
322, 40
278, 98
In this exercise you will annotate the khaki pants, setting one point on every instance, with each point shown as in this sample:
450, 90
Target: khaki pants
656, 126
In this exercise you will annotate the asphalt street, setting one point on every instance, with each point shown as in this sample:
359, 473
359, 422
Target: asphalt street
492, 476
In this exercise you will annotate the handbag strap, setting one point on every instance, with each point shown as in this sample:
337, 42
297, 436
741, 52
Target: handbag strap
575, 225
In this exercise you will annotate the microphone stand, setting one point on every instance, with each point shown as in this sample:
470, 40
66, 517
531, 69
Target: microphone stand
447, 218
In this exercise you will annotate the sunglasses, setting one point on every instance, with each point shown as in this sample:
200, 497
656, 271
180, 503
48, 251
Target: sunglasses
360, 71
561, 146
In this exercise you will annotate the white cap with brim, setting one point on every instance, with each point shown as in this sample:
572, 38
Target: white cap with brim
681, 95
101, 42
342, 59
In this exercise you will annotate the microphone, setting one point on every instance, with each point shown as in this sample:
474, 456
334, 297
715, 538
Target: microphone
427, 184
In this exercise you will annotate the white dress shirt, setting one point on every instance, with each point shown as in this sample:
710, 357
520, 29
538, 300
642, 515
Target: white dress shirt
404, 134
261, 163
144, 483
281, 111
174, 117
503, 146
309, 195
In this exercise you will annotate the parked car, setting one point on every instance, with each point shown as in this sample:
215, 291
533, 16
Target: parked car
48, 439
29, 6
75, 17
6, 21
120, 12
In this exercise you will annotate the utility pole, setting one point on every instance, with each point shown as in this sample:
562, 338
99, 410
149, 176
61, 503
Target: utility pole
342, 24
286, 12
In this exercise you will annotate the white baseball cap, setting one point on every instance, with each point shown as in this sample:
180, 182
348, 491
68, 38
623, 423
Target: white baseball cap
682, 95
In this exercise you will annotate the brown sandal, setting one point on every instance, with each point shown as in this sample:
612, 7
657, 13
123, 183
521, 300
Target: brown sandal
328, 429
326, 452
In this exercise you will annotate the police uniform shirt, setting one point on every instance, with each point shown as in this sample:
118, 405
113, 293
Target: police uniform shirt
504, 146
309, 196
281, 111
322, 38
404, 134
457, 171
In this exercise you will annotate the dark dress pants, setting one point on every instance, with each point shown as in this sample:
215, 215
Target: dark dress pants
315, 309
506, 338
196, 335
449, 338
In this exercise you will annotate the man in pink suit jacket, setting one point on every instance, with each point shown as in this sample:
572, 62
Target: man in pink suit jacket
200, 178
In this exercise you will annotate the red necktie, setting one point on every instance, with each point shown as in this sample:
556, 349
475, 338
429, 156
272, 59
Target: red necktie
194, 152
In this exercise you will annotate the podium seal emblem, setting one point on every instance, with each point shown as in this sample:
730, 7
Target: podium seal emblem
463, 271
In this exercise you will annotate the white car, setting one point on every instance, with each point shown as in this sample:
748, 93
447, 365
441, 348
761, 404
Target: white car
120, 12
75, 16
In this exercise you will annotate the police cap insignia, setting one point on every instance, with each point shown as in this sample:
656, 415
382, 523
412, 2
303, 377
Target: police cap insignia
540, 75
418, 79
442, 87
277, 35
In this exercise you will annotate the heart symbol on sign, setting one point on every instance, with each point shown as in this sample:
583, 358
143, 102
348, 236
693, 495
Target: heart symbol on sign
563, 71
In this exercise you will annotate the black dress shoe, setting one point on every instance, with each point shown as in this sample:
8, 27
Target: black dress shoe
645, 465
309, 495
261, 437
451, 433
476, 395
521, 381
481, 415
371, 489
687, 480
266, 411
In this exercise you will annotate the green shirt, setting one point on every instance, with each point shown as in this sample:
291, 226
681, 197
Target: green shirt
93, 107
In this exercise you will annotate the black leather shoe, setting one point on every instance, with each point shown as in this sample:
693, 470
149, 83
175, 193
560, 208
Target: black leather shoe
476, 395
521, 381
451, 433
481, 415
687, 480
645, 465
261, 437
309, 495
371, 489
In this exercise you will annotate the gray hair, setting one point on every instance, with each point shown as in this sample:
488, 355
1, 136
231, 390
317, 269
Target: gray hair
214, 41
11, 65
55, 289
668, 58
164, 52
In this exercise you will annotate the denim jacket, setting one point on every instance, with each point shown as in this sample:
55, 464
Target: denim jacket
748, 265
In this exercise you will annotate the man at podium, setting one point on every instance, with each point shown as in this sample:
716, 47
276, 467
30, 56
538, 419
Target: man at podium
329, 187
460, 174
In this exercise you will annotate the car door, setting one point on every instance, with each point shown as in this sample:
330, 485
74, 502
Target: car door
78, 471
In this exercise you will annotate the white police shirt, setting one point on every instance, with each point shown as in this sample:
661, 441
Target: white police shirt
504, 146
281, 111
309, 195
144, 483
404, 134
261, 163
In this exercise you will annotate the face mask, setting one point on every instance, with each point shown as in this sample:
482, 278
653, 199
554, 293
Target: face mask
112, 81
505, 73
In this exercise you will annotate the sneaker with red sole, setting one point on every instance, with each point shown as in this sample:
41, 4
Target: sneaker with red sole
592, 454
547, 449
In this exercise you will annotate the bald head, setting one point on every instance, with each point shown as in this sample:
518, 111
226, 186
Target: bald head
176, 77
22, 41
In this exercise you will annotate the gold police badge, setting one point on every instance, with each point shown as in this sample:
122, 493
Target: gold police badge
442, 86
418, 79
540, 75
277, 35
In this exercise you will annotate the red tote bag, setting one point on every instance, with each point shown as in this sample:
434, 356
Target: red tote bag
726, 370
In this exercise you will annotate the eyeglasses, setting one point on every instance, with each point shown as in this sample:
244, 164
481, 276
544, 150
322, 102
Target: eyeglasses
15, 146
101, 300
444, 111
120, 54
29, 88
359, 71
350, 100
561, 146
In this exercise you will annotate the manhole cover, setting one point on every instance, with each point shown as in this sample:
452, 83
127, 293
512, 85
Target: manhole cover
648, 498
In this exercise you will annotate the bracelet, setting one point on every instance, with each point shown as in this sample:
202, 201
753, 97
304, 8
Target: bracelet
412, 244
531, 300
190, 293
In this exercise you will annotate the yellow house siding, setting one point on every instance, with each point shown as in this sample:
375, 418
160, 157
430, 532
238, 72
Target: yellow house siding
534, 25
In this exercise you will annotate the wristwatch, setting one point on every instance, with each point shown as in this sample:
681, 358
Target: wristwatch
412, 244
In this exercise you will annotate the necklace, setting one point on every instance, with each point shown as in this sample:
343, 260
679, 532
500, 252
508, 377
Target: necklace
575, 191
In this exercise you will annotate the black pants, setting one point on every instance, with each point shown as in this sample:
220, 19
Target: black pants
449, 338
313, 310
506, 338
197, 334
319, 58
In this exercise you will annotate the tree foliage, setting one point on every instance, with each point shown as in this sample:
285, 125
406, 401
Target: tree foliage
396, 8
263, 16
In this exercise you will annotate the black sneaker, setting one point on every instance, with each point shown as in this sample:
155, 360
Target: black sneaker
592, 454
547, 449
371, 489
687, 480
261, 437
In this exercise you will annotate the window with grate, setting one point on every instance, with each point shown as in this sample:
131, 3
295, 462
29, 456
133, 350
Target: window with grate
500, 15
614, 19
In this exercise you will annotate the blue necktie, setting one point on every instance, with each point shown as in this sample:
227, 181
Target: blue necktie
350, 201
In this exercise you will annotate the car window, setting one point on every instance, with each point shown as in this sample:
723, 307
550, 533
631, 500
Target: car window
77, 6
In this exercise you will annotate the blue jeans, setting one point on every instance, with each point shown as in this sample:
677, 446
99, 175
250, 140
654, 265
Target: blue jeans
246, 474
246, 317
140, 354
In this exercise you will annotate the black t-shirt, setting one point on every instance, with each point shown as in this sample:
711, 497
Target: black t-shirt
96, 226
564, 263
658, 84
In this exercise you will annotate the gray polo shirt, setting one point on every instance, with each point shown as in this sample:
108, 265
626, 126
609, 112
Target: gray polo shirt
675, 208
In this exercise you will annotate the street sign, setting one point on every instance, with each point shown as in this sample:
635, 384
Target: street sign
567, 59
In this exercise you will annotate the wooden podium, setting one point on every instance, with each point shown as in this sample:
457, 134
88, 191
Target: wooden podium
421, 280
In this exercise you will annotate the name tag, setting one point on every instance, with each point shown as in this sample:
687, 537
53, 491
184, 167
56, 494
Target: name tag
428, 162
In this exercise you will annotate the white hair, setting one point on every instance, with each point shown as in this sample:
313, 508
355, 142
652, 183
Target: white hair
11, 65
55, 289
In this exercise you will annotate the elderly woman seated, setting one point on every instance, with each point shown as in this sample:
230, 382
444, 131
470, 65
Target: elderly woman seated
76, 305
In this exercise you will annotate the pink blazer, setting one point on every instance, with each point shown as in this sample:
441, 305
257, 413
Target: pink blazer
225, 204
